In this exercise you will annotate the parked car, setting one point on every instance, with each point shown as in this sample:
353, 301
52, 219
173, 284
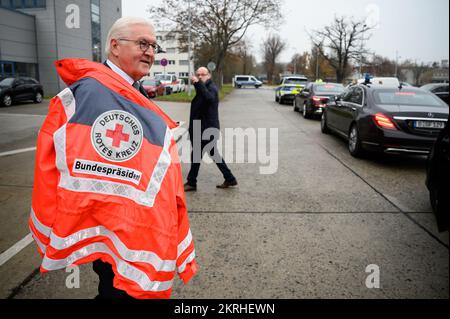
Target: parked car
315, 97
169, 80
182, 85
154, 88
437, 179
246, 80
440, 89
289, 87
386, 119
20, 89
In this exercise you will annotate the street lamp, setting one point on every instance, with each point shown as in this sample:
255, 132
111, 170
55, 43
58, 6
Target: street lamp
317, 62
396, 63
189, 49
361, 52
295, 60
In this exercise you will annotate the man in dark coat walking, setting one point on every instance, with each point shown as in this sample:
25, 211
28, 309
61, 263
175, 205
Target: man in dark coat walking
205, 117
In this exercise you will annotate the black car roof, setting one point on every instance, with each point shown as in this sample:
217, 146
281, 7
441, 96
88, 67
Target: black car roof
374, 87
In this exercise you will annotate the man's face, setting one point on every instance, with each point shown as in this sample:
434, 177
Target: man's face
203, 75
129, 54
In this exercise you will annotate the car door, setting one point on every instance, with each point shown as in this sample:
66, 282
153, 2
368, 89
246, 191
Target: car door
351, 107
304, 96
29, 92
336, 110
18, 90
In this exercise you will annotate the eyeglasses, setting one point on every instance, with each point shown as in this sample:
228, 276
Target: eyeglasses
204, 74
144, 45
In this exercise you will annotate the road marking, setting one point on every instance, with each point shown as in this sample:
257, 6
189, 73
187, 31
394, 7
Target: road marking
14, 250
22, 150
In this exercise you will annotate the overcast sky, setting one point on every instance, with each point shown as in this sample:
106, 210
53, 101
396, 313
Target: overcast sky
417, 29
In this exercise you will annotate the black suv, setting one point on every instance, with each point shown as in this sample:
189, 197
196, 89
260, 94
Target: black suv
20, 89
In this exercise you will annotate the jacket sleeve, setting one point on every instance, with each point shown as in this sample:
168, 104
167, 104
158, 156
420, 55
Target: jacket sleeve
186, 264
210, 94
46, 177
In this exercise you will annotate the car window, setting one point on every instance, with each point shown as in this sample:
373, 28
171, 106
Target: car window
149, 83
329, 88
7, 82
295, 81
19, 82
356, 96
441, 89
412, 98
242, 79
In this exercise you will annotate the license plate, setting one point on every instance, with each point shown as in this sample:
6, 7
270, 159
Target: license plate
429, 124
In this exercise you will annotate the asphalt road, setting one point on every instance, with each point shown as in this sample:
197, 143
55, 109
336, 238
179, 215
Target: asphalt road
307, 231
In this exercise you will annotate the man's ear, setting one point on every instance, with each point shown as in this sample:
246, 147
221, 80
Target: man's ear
114, 47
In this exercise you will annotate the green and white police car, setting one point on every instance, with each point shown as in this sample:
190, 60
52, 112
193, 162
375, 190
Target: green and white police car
290, 86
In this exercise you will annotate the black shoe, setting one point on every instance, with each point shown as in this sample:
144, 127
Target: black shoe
227, 184
189, 188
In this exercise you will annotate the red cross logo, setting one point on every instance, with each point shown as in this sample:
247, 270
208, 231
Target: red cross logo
118, 136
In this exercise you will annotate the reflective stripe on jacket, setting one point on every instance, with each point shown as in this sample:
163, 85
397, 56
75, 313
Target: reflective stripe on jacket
108, 184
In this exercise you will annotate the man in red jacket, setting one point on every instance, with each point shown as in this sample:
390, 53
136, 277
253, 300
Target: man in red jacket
108, 187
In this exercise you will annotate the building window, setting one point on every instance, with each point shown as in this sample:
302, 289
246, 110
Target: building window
13, 69
184, 62
172, 62
96, 31
171, 50
183, 75
157, 62
22, 4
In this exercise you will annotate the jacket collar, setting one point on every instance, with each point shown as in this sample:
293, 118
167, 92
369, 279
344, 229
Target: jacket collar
73, 70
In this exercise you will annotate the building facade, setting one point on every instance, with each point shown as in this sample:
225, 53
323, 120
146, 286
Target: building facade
177, 59
36, 33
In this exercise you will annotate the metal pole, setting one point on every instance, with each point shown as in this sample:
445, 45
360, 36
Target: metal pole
317, 63
396, 64
189, 50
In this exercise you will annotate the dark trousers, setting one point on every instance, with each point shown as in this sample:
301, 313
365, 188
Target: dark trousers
215, 155
106, 289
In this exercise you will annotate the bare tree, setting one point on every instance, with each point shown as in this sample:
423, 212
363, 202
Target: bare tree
271, 49
341, 42
220, 24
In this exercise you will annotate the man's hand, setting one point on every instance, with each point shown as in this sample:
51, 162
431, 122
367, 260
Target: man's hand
194, 79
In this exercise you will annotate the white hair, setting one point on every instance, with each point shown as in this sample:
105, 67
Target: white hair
121, 28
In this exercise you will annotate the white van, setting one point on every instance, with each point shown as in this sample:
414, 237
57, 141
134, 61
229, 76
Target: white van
240, 81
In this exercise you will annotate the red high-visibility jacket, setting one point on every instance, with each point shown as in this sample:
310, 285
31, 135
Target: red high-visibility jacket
108, 184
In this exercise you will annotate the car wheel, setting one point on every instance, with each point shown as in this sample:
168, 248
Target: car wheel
7, 100
305, 112
276, 98
38, 98
280, 101
323, 124
239, 86
354, 142
295, 106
